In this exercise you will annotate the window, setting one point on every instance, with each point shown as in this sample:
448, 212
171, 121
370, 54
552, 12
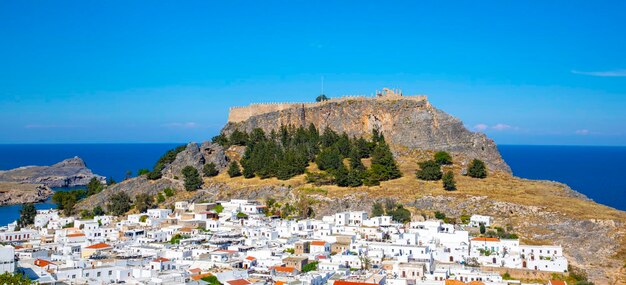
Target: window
110, 272
98, 274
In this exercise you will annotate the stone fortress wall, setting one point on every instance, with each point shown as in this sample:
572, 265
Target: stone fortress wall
240, 114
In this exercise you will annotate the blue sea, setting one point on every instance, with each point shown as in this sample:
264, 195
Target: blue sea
595, 171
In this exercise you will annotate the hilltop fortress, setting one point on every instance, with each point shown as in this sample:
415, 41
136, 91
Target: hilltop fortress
243, 113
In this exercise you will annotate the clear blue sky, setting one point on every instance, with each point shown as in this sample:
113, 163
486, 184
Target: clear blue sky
524, 72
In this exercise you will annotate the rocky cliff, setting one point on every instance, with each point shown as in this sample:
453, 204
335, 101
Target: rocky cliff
407, 125
67, 173
20, 193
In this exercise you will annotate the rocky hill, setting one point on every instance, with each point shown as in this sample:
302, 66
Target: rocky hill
407, 124
18, 193
67, 173
540, 212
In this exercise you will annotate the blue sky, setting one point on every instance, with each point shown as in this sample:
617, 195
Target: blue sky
152, 71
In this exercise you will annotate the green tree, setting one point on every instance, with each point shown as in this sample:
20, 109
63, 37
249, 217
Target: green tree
119, 203
98, 211
193, 181
382, 156
341, 176
160, 198
238, 137
377, 210
234, 170
355, 160
111, 181
163, 161
66, 200
328, 137
218, 208
14, 279
448, 181
477, 169
144, 202
128, 175
443, 158
400, 214
94, 186
321, 98
329, 158
212, 280
210, 170
310, 267
169, 192
440, 215
142, 171
27, 214
429, 170
220, 139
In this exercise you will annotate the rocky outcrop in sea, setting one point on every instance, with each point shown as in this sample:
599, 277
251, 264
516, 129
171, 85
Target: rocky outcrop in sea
67, 173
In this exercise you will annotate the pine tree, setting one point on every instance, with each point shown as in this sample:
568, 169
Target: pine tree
234, 170
429, 170
94, 186
448, 181
477, 169
328, 158
27, 214
210, 170
192, 178
341, 176
443, 158
384, 164
355, 160
328, 138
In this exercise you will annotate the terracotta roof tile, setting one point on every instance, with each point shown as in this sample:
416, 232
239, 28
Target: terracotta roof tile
98, 246
486, 239
238, 282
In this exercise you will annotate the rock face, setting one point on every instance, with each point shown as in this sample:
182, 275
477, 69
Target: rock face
197, 156
67, 173
132, 187
406, 124
20, 193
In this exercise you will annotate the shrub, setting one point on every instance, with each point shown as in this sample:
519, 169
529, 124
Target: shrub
94, 186
169, 192
440, 215
160, 198
142, 171
443, 158
310, 267
477, 169
319, 178
429, 170
98, 211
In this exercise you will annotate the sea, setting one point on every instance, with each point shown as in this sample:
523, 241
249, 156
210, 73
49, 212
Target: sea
595, 171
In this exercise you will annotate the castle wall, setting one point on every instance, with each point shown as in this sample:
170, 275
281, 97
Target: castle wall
240, 114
